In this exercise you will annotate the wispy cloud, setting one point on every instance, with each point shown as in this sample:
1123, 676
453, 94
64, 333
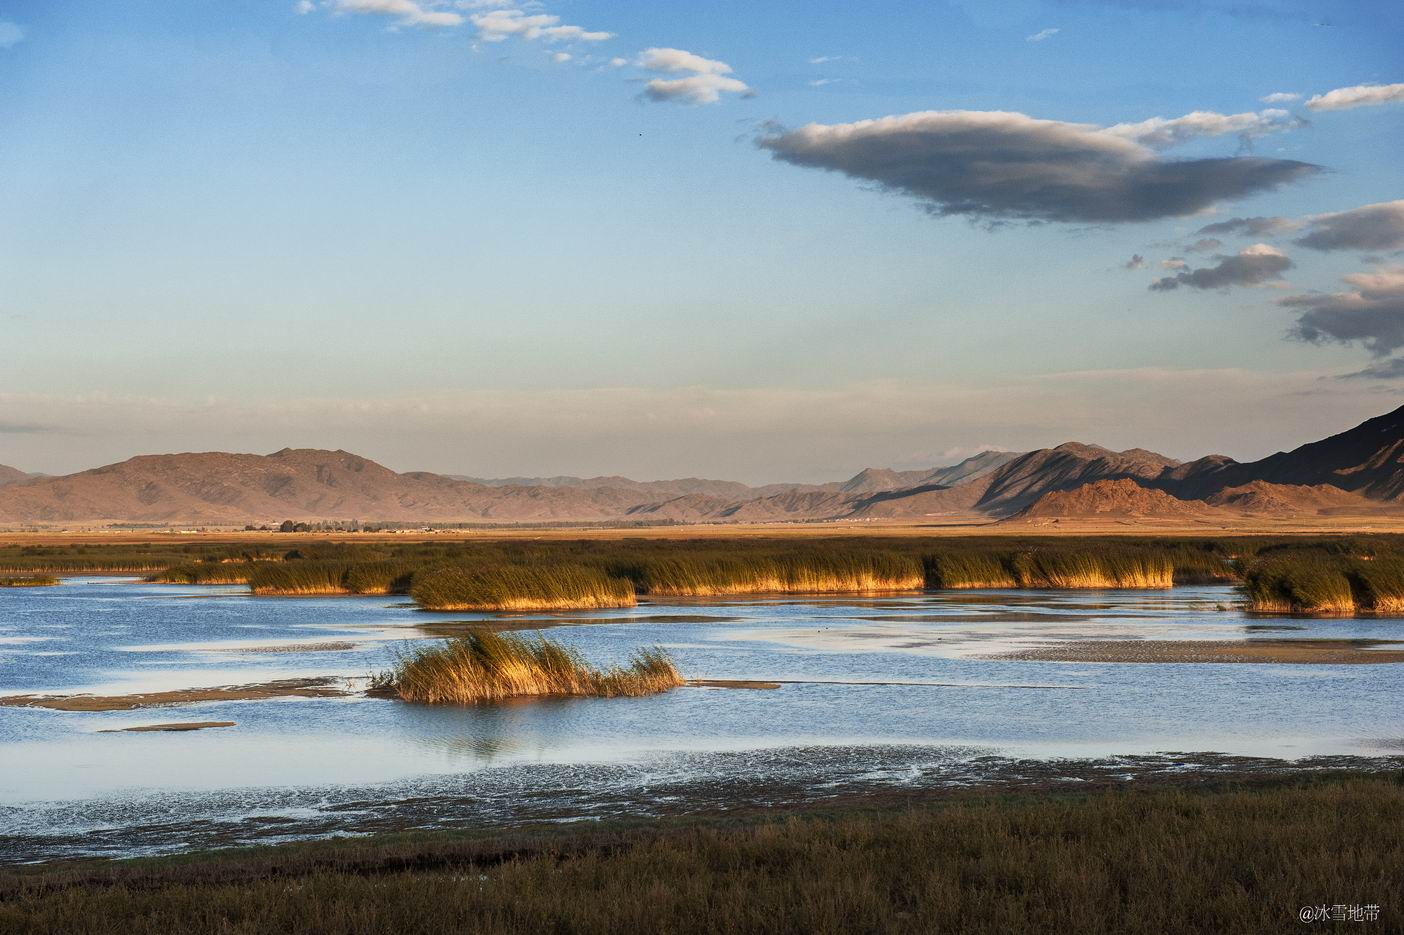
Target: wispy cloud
1251, 227
1043, 34
1360, 95
704, 80
1163, 133
1280, 97
502, 24
11, 34
406, 12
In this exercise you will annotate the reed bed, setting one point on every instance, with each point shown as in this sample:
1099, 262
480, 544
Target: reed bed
1052, 569
805, 573
1325, 583
484, 666
293, 578
28, 581
205, 573
456, 586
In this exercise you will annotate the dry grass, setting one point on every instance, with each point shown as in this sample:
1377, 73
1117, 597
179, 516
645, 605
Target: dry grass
484, 666
1223, 861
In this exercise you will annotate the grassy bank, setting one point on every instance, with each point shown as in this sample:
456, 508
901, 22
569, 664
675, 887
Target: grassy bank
1228, 860
28, 581
484, 666
808, 571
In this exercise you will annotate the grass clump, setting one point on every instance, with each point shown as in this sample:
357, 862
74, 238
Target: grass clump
456, 586
486, 667
28, 581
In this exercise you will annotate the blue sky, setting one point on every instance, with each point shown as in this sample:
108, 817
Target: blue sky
366, 224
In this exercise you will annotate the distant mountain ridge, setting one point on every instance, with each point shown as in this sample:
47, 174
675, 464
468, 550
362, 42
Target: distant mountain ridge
1358, 471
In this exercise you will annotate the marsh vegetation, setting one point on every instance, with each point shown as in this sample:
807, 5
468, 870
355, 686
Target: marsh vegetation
1303, 575
484, 666
1228, 859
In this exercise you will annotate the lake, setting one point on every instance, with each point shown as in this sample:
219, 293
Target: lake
885, 691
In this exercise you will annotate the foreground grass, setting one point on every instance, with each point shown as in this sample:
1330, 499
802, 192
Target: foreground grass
484, 666
1158, 860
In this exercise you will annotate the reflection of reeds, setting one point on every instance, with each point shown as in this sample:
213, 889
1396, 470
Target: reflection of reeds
29, 581
456, 586
485, 666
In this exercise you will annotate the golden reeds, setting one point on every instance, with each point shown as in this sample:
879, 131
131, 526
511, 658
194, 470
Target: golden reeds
484, 666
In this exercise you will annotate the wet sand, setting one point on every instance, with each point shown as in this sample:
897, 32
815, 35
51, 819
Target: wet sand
1274, 651
323, 687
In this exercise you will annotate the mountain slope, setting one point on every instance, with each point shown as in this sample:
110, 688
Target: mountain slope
9, 475
1023, 480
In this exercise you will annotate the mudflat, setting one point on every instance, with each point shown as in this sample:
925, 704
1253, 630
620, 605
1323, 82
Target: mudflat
1277, 651
322, 687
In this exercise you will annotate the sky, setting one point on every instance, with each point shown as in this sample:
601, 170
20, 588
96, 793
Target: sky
760, 241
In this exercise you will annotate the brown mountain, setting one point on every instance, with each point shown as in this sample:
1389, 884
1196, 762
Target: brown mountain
1368, 459
219, 488
9, 475
1355, 472
1023, 480
1123, 497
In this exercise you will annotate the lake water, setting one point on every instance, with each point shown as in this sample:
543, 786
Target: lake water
887, 689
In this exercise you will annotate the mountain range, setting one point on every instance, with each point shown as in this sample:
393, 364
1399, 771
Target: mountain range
1357, 472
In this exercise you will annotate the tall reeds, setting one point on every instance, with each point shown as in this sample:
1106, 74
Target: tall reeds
808, 572
1321, 583
330, 577
459, 586
486, 667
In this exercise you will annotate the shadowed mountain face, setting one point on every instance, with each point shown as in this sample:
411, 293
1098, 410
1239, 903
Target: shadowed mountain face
1358, 471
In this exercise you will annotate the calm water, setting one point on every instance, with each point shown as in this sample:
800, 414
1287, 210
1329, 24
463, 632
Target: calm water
923, 686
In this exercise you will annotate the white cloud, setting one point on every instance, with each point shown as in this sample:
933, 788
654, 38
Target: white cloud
680, 60
560, 58
304, 7
821, 82
694, 89
1361, 95
498, 25
708, 81
1162, 133
1280, 97
409, 12
618, 62
1043, 34
11, 34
